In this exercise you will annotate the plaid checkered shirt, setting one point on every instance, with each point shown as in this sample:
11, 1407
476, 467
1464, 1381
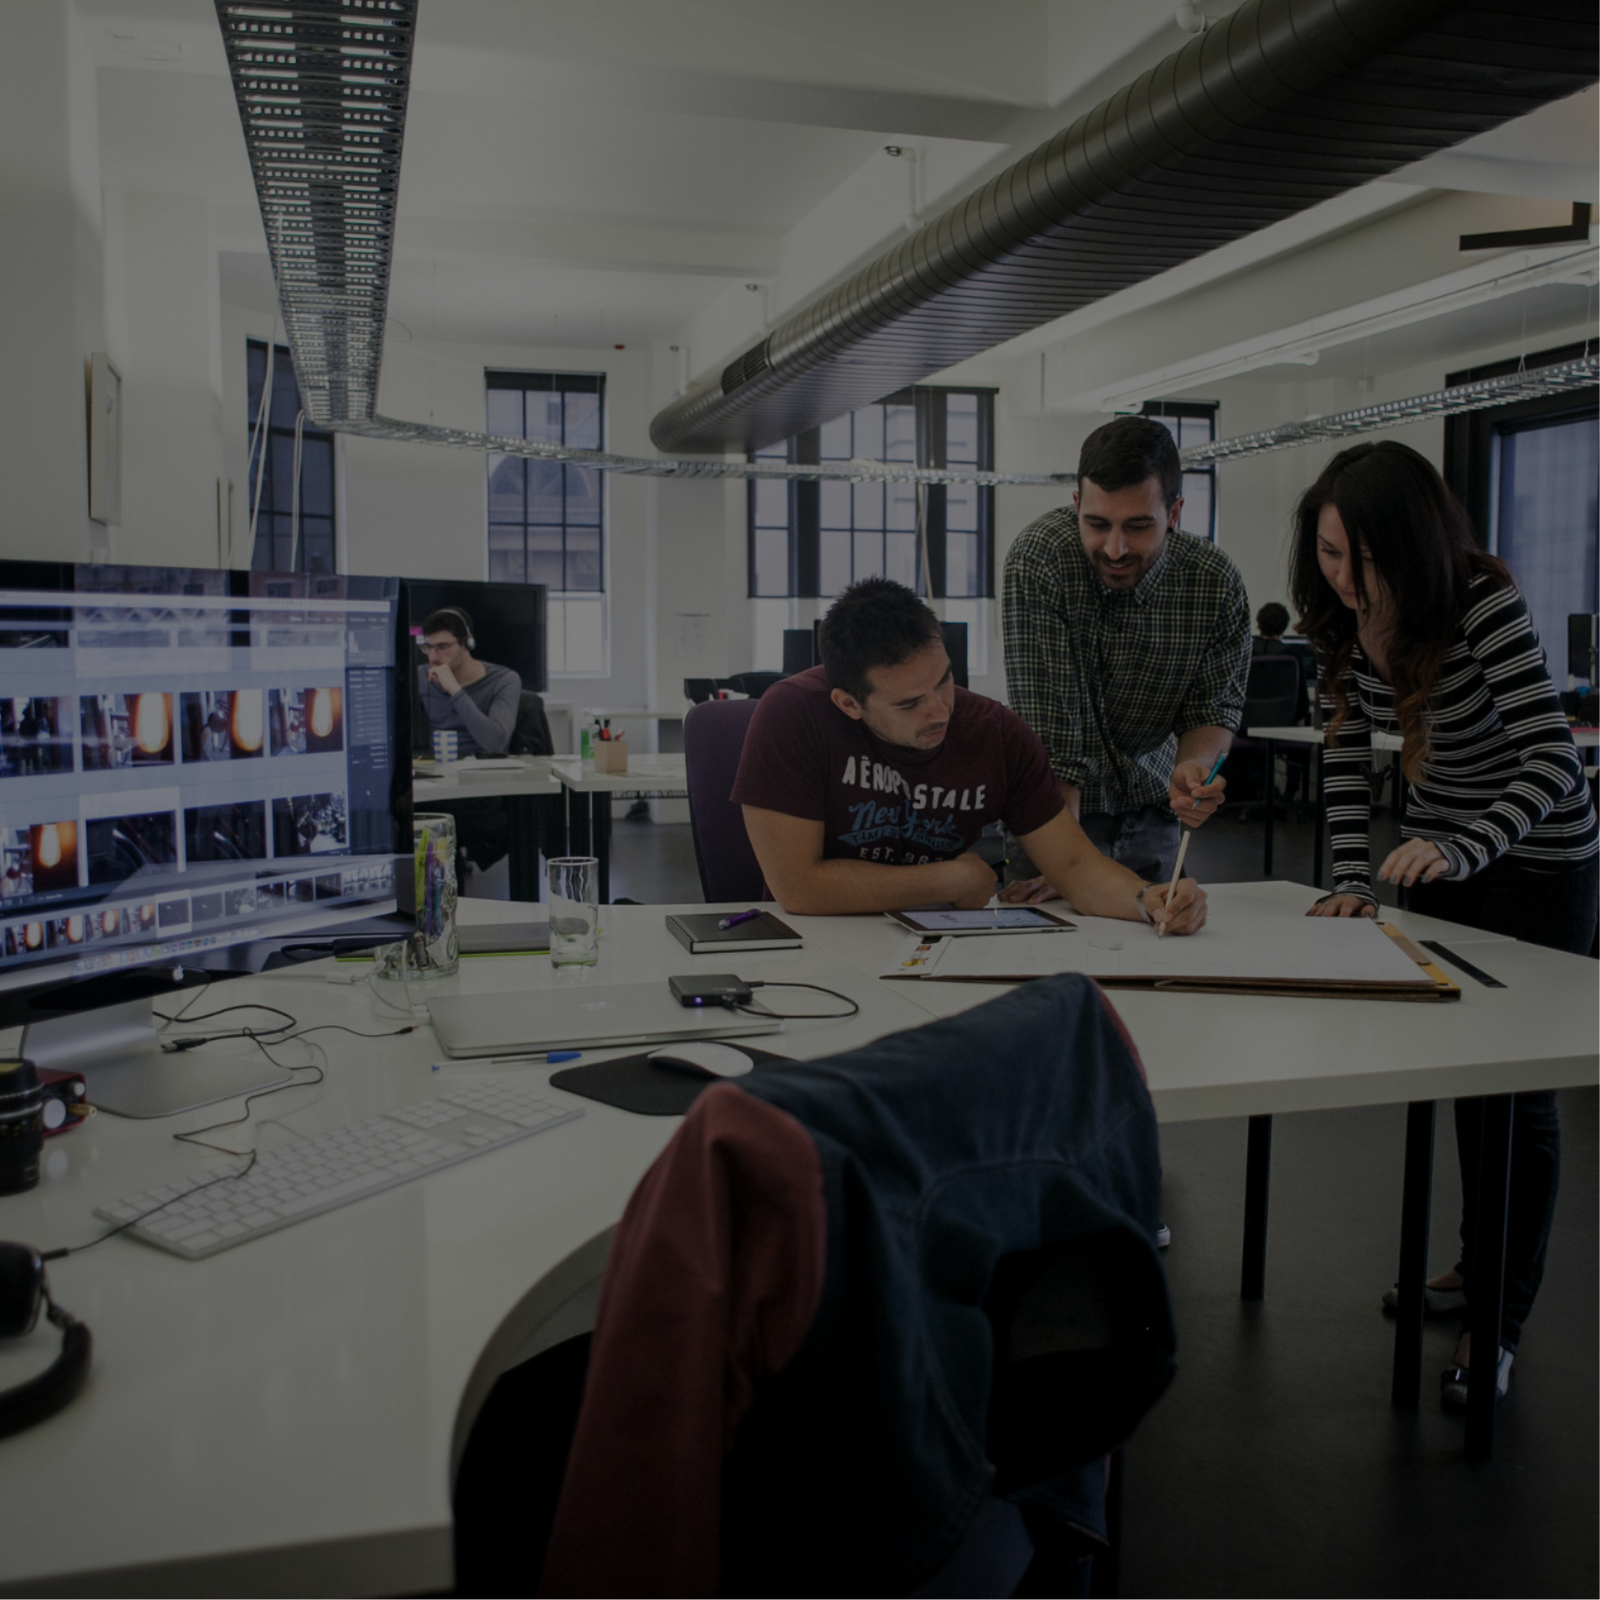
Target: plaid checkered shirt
1110, 679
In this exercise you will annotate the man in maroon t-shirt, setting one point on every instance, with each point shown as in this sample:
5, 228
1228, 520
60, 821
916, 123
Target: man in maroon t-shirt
866, 781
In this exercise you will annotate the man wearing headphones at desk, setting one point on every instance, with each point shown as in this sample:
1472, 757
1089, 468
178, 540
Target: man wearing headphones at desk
865, 782
475, 698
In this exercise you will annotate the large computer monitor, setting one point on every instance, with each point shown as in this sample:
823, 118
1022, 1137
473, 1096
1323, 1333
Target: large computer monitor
191, 761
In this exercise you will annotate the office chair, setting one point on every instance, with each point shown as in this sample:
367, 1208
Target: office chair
870, 1325
1273, 696
713, 737
531, 736
698, 690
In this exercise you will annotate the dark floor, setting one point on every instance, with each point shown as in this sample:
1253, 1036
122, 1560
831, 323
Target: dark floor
1275, 1465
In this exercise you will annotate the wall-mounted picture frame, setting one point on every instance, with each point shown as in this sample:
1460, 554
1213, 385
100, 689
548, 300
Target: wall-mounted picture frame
105, 440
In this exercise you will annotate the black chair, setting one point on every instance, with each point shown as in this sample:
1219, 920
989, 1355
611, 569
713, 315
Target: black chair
698, 690
713, 739
1273, 695
754, 684
531, 736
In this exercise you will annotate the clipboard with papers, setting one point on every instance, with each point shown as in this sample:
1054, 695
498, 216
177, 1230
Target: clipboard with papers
1322, 957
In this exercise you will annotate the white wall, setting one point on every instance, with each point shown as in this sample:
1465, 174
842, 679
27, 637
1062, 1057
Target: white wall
51, 282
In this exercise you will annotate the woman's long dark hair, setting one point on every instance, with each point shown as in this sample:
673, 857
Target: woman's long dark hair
1398, 511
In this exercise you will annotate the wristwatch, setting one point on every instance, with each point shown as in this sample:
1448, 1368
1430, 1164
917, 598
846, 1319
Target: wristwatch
1144, 911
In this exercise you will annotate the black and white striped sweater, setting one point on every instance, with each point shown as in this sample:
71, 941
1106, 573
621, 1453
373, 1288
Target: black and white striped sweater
1503, 776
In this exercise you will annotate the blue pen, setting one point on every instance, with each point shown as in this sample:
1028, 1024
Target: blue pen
535, 1056
1211, 774
733, 922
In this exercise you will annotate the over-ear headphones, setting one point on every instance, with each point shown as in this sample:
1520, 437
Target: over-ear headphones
24, 1292
456, 611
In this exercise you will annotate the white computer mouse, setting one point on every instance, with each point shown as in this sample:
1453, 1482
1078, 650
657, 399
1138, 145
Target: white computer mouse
704, 1058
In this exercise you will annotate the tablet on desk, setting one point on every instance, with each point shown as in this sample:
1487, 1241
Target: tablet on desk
994, 919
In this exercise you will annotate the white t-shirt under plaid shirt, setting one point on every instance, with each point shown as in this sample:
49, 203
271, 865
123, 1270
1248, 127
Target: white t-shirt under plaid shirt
1110, 679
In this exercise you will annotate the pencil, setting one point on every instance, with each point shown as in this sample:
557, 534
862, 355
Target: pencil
1183, 850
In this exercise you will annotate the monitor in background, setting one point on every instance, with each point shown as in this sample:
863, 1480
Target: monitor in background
799, 650
192, 761
508, 622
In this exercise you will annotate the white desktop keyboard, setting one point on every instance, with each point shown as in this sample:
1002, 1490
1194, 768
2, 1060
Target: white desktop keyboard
196, 1216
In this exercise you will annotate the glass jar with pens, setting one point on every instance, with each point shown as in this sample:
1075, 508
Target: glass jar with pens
435, 949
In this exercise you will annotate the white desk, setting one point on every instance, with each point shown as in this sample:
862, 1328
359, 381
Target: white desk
283, 1417
528, 791
590, 794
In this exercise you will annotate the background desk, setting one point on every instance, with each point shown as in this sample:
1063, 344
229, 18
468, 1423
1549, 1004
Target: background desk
283, 1417
589, 797
534, 797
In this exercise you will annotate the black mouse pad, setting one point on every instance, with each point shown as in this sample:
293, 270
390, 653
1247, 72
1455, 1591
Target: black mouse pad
635, 1083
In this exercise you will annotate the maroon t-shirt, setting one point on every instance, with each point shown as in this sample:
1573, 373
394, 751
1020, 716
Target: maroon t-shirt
877, 802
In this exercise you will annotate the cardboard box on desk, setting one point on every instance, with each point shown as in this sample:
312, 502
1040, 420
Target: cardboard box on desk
610, 755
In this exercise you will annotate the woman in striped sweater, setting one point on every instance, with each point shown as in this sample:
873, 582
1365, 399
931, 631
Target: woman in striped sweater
1422, 634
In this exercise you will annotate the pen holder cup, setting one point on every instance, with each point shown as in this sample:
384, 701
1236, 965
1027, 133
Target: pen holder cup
435, 949
611, 755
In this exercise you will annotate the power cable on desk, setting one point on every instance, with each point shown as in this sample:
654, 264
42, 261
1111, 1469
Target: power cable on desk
797, 1016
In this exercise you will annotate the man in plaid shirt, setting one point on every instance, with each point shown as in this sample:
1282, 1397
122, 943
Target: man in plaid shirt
1127, 643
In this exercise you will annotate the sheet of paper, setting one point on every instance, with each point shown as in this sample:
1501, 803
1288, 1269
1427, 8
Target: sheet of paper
1238, 949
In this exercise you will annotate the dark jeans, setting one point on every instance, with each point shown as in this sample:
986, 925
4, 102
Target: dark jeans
1144, 840
1555, 909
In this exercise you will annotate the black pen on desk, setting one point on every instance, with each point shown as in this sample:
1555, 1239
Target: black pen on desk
743, 916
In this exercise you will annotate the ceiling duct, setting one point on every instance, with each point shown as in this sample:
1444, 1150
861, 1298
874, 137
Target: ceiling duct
321, 86
1281, 106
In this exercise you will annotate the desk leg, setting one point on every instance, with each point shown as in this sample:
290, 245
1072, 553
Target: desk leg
1415, 1207
1270, 762
600, 839
577, 828
1321, 819
1257, 1181
523, 869
1488, 1273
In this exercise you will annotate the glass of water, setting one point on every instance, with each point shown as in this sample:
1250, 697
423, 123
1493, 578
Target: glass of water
574, 911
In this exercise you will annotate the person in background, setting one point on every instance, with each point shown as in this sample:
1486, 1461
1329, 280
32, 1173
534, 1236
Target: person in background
475, 698
1126, 644
1272, 622
866, 782
1423, 634
480, 701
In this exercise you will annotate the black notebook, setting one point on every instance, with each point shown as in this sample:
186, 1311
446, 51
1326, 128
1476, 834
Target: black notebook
700, 934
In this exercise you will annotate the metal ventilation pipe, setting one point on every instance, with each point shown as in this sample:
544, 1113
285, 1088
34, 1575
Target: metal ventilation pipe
1285, 104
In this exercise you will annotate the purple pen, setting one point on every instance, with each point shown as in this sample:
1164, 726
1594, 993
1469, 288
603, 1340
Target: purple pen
743, 916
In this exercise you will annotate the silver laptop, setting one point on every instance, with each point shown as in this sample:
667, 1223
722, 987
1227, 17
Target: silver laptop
580, 1019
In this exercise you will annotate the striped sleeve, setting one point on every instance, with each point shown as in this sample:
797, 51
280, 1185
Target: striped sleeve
1502, 641
1347, 798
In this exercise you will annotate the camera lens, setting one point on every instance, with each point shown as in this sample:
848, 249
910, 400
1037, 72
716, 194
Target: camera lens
21, 1126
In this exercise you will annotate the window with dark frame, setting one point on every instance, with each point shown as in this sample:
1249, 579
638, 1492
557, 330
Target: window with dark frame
275, 519
546, 519
1192, 422
810, 539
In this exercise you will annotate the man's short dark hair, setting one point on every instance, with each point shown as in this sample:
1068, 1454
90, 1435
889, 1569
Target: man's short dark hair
1273, 620
874, 623
450, 620
1128, 451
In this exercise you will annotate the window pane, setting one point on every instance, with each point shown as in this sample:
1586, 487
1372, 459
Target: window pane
583, 558
1196, 430
961, 508
768, 619
836, 440
774, 452
961, 565
833, 561
505, 491
868, 442
867, 504
1196, 514
546, 502
902, 511
583, 494
505, 412
900, 558
868, 556
583, 421
546, 562
772, 503
770, 554
834, 511
316, 476
585, 635
1170, 424
506, 561
900, 433
961, 428
316, 545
